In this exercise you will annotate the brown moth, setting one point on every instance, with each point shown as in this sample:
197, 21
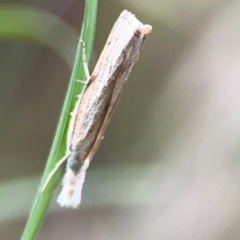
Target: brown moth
95, 106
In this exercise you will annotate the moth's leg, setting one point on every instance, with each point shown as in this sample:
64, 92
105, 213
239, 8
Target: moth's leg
85, 66
82, 81
57, 166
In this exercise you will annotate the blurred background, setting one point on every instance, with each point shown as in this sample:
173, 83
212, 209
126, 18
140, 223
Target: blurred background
168, 167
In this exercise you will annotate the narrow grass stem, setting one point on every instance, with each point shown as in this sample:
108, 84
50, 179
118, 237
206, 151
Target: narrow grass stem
58, 149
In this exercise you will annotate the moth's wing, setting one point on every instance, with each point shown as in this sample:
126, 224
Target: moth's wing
73, 122
122, 60
130, 56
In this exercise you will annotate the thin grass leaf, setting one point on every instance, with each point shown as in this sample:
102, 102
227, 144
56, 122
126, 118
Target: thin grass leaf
58, 149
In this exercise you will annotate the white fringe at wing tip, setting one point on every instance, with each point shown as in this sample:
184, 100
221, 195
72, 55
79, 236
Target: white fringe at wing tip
70, 195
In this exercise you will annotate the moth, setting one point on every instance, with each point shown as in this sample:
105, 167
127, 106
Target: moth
95, 106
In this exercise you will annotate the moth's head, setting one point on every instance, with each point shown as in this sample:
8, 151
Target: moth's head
74, 164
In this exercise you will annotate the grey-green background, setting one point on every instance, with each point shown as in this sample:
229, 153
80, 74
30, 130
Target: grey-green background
168, 167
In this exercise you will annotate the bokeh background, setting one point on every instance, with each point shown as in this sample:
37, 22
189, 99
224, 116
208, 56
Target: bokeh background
168, 167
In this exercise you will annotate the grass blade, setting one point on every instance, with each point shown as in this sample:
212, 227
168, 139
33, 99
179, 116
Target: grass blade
58, 149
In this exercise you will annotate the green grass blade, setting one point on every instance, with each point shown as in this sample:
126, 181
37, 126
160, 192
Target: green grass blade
58, 149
